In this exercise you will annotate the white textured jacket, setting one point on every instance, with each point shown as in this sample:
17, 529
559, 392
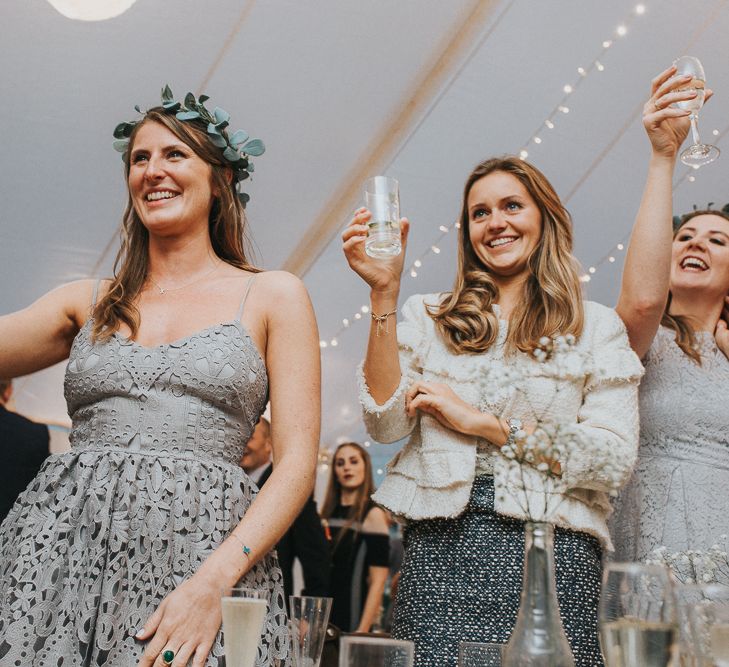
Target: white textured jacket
433, 474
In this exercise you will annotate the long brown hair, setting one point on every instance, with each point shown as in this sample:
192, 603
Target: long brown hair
681, 324
226, 224
552, 300
361, 505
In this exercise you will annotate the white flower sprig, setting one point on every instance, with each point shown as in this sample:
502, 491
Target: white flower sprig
543, 442
696, 567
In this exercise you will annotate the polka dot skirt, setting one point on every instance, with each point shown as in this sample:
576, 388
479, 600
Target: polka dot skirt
461, 581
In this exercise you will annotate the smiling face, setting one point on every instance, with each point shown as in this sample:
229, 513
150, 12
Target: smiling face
504, 224
700, 256
349, 467
170, 185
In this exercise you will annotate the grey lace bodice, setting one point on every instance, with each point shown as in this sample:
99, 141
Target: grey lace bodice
150, 488
678, 494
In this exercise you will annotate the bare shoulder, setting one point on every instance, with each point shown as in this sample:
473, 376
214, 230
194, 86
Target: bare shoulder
375, 521
280, 284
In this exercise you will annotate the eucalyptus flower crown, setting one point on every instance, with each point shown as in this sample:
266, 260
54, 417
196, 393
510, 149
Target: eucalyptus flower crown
678, 220
237, 147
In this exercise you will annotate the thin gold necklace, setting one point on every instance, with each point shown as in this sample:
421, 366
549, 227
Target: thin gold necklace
164, 290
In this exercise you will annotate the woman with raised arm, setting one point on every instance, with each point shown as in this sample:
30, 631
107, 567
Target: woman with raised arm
117, 552
516, 283
358, 532
675, 287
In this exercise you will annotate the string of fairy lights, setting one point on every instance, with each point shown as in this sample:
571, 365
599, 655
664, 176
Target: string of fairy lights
537, 138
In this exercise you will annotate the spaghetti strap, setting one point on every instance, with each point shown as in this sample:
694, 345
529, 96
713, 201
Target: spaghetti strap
245, 296
95, 293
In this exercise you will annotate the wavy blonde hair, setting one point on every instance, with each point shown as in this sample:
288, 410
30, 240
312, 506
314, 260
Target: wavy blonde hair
552, 299
226, 224
680, 324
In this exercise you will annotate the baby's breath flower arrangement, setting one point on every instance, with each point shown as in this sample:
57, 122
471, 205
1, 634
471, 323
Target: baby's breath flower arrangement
696, 567
542, 443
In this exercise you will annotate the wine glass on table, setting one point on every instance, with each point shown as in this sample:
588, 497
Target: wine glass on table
638, 616
244, 612
698, 153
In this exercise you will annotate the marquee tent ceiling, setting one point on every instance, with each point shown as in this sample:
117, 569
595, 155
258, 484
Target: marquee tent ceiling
340, 90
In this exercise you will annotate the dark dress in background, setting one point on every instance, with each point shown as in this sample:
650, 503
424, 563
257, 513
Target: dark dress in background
353, 553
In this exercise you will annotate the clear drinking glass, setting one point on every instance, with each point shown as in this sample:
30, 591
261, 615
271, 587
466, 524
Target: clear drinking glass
382, 198
375, 652
308, 622
698, 153
244, 612
688, 596
637, 615
476, 654
709, 621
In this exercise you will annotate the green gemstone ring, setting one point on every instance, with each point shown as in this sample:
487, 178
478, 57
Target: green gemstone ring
168, 656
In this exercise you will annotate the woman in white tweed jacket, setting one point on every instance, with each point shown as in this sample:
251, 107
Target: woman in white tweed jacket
516, 282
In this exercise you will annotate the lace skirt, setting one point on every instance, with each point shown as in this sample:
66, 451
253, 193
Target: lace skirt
98, 540
461, 581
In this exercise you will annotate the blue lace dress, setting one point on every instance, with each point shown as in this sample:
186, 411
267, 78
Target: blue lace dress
150, 488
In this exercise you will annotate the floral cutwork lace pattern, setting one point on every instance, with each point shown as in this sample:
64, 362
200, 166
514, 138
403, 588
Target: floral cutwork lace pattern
149, 489
677, 496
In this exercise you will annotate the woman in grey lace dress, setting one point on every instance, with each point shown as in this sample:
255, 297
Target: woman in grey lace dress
116, 554
675, 285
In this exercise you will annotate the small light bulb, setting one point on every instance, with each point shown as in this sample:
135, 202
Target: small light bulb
379, 471
640, 9
414, 273
564, 109
358, 316
366, 443
417, 263
692, 178
715, 133
537, 140
600, 66
334, 342
582, 71
620, 246
611, 259
435, 249
345, 322
523, 154
592, 269
322, 343
567, 89
365, 309
443, 228
457, 225
621, 30
584, 278
607, 44
549, 124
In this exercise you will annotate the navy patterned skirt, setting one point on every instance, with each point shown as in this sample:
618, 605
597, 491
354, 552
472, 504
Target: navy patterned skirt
461, 581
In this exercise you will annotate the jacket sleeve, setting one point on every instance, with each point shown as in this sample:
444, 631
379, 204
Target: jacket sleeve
604, 444
389, 422
312, 549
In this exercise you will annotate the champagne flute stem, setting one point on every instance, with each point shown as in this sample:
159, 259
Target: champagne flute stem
695, 129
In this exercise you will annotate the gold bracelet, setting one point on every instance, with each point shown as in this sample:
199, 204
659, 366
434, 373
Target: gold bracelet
380, 319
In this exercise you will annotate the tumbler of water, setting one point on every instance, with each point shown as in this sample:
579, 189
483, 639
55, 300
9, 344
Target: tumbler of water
476, 654
244, 611
637, 616
375, 652
308, 623
382, 198
709, 621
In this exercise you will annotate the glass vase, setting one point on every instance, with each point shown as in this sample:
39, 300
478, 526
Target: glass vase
538, 638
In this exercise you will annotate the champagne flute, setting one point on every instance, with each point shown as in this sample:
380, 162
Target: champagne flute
697, 154
638, 618
244, 611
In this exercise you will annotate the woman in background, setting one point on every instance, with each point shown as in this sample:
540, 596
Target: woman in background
675, 286
358, 531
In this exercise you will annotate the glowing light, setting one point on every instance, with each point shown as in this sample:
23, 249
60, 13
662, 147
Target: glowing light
91, 10
537, 140
358, 316
607, 44
640, 10
622, 30
457, 225
435, 249
414, 273
345, 322
582, 71
567, 89
600, 66
585, 279
366, 443
379, 471
611, 259
417, 263
334, 342
692, 178
564, 109
322, 343
715, 133
620, 246
523, 154
365, 309
592, 269
549, 124
443, 228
